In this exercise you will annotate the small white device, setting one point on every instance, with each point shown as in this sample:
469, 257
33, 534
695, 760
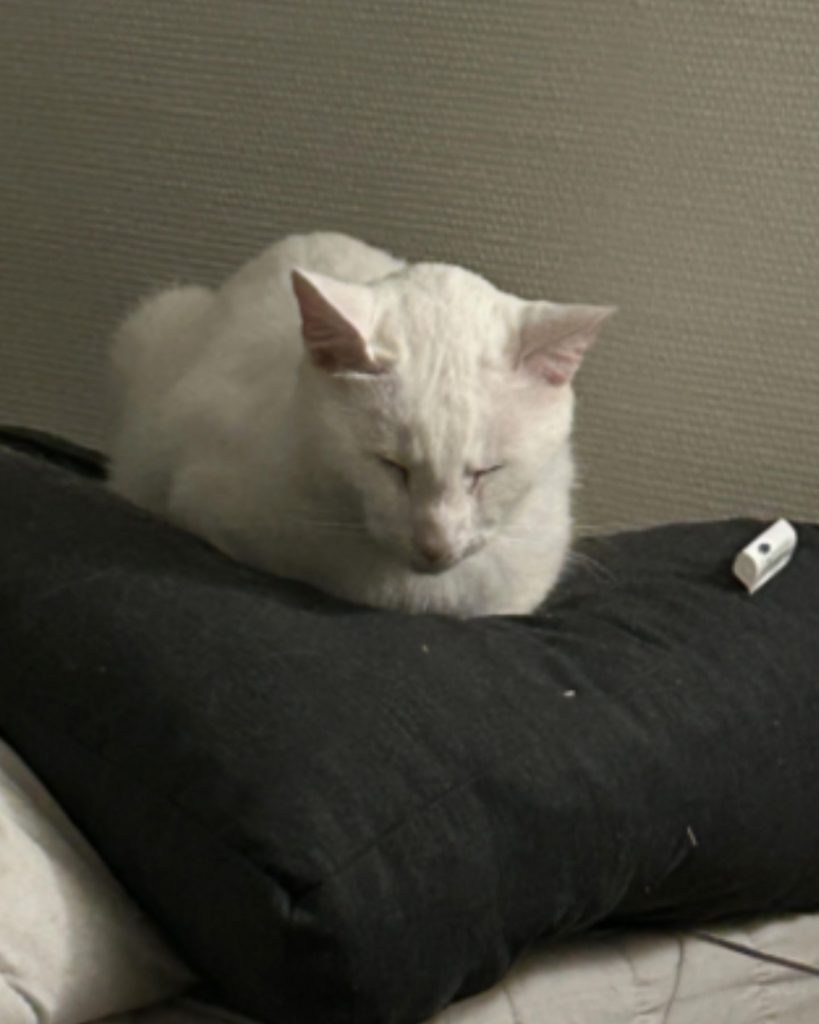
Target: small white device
766, 555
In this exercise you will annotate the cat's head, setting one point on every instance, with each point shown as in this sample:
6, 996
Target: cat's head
437, 402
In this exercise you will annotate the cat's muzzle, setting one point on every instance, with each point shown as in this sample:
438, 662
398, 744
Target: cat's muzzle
434, 560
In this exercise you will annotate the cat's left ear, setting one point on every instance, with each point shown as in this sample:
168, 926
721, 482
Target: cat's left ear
554, 338
336, 322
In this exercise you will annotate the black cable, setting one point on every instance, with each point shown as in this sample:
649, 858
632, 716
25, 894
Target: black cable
756, 954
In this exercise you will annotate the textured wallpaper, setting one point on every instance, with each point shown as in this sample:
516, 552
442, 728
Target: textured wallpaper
659, 155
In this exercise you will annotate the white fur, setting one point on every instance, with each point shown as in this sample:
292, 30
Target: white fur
260, 422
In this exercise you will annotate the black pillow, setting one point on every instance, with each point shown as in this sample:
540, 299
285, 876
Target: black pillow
343, 815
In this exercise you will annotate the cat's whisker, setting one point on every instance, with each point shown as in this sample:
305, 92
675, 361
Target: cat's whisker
339, 524
575, 556
600, 529
340, 527
322, 525
595, 567
522, 535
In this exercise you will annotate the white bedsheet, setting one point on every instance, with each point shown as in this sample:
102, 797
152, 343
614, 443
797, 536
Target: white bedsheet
635, 978
72, 944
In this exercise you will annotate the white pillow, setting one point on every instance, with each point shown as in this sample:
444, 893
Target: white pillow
73, 947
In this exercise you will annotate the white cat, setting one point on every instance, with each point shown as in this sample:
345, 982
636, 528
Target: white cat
395, 434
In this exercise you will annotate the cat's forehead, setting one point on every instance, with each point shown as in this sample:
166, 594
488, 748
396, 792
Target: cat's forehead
449, 333
436, 306
445, 420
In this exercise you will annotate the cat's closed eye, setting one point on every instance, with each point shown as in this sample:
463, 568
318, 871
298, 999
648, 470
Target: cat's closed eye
397, 468
474, 476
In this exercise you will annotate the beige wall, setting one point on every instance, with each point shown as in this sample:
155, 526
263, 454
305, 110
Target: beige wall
659, 154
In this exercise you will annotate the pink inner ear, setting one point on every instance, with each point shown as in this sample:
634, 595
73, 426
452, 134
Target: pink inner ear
334, 320
557, 367
555, 339
334, 350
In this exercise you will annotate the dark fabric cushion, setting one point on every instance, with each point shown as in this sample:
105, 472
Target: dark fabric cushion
343, 815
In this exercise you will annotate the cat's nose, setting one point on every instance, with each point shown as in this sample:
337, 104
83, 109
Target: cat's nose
434, 554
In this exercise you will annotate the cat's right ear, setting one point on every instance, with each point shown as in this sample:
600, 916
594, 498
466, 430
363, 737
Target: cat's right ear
336, 322
554, 338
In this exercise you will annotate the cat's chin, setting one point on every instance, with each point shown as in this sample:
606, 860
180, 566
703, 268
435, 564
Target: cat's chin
400, 559
432, 570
